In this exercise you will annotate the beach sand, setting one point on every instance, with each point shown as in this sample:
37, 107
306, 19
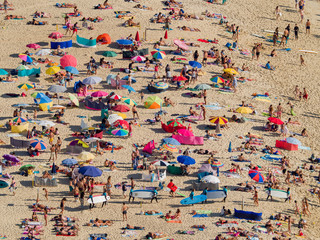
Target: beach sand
252, 17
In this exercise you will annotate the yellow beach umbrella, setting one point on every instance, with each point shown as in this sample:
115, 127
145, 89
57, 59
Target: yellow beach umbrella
231, 71
244, 110
124, 116
52, 70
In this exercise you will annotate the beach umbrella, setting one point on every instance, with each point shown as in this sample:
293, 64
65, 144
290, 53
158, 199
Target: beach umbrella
109, 54
138, 59
116, 97
72, 70
68, 60
78, 142
129, 88
175, 123
230, 71
26, 58
195, 64
85, 156
44, 99
171, 141
11, 158
114, 117
217, 164
55, 35
186, 160
244, 110
25, 86
119, 132
91, 80
99, 94
43, 52
38, 95
34, 46
27, 166
217, 79
256, 176
293, 140
275, 120
166, 35
69, 162
121, 108
202, 86
206, 168
52, 70
129, 101
180, 44
153, 102
218, 120
137, 38
158, 54
38, 144
57, 89
123, 115
21, 105
19, 120
45, 103
74, 99
160, 163
22, 67
179, 78
90, 171
121, 123
161, 85
210, 179
3, 72
185, 132
124, 42
46, 123
91, 139
169, 147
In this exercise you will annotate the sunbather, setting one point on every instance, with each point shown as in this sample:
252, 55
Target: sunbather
35, 22
13, 17
143, 7
184, 28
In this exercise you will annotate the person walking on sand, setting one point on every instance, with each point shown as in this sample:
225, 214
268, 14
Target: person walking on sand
46, 193
296, 210
305, 94
296, 32
124, 212
62, 204
205, 58
308, 25
205, 96
278, 13
13, 186
52, 152
279, 111
45, 215
255, 197
302, 63
134, 112
5, 6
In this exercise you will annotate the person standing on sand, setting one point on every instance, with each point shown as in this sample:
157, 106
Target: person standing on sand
279, 111
124, 212
278, 13
308, 25
302, 63
205, 58
5, 6
52, 152
296, 32
45, 215
205, 96
46, 193
62, 204
289, 224
255, 197
135, 112
305, 94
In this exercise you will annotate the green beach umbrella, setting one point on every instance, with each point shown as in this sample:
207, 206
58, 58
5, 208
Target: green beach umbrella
109, 54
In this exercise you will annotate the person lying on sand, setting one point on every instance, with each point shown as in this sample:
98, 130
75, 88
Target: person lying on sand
66, 228
98, 222
143, 7
130, 23
39, 14
66, 5
13, 17
155, 235
35, 22
134, 227
40, 207
184, 28
64, 218
70, 232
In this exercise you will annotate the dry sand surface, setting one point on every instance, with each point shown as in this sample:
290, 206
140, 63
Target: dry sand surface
252, 17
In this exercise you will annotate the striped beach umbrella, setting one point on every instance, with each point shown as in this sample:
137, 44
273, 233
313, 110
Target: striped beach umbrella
158, 54
25, 86
138, 59
26, 58
256, 176
175, 123
120, 132
153, 102
217, 79
218, 120
116, 97
169, 147
38, 144
129, 101
217, 164
19, 120
161, 85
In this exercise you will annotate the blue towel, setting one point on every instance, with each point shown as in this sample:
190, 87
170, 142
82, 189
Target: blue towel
200, 215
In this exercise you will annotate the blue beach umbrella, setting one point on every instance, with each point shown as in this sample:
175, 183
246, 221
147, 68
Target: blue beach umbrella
172, 141
90, 171
71, 69
69, 162
195, 64
124, 42
186, 160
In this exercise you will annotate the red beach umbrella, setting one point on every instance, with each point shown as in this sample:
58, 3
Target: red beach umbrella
68, 60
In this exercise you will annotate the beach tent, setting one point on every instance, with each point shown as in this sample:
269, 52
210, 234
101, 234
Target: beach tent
103, 39
45, 103
153, 102
88, 43
149, 147
206, 168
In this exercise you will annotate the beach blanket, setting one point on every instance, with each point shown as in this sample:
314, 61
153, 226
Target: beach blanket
231, 175
98, 236
200, 215
155, 214
173, 221
129, 233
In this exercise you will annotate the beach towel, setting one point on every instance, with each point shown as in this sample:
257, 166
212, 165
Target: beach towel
129, 233
98, 236
231, 175
173, 221
200, 215
155, 214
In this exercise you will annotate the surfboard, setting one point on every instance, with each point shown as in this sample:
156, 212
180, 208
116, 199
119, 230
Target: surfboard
278, 193
270, 31
142, 193
256, 35
215, 194
3, 184
196, 199
182, 195
98, 199
308, 51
